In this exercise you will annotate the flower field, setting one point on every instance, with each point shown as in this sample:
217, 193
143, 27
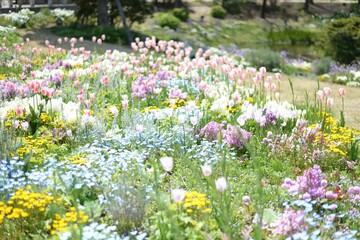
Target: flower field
167, 142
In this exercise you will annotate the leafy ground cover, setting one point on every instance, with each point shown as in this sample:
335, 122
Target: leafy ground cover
168, 142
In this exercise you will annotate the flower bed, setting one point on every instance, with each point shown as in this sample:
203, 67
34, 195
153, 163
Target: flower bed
160, 145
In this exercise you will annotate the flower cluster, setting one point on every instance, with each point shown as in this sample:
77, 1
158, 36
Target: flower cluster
71, 219
309, 186
196, 203
62, 13
291, 222
25, 203
232, 135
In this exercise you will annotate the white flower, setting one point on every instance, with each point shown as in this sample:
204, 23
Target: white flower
206, 170
114, 111
167, 163
177, 195
194, 120
181, 118
221, 184
25, 125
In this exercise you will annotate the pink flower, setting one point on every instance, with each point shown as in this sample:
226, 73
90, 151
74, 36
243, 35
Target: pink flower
342, 92
327, 91
94, 39
104, 80
81, 39
19, 111
330, 102
246, 200
103, 37
80, 98
320, 95
92, 97
221, 184
262, 71
99, 41
278, 76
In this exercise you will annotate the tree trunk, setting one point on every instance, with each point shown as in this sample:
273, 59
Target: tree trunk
123, 17
178, 3
307, 5
102, 13
263, 9
358, 3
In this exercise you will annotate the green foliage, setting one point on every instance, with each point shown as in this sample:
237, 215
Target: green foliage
293, 35
181, 13
113, 35
134, 10
343, 39
263, 58
322, 65
8, 142
218, 12
233, 6
168, 20
41, 19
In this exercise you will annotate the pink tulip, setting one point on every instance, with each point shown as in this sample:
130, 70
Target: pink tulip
342, 92
330, 102
320, 95
327, 91
19, 111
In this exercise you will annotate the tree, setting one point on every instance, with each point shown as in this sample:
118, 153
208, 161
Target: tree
122, 15
307, 5
178, 3
263, 9
134, 10
102, 13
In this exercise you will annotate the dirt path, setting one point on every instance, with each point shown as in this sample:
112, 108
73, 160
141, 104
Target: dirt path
300, 84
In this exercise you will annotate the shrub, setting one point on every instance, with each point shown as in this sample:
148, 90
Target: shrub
322, 65
168, 20
343, 39
181, 13
218, 12
233, 6
263, 58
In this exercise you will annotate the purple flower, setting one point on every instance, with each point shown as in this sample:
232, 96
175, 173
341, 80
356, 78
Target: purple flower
311, 184
291, 222
234, 136
211, 130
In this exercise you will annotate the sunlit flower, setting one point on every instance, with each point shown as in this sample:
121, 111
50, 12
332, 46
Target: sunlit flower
177, 195
221, 184
206, 170
167, 163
